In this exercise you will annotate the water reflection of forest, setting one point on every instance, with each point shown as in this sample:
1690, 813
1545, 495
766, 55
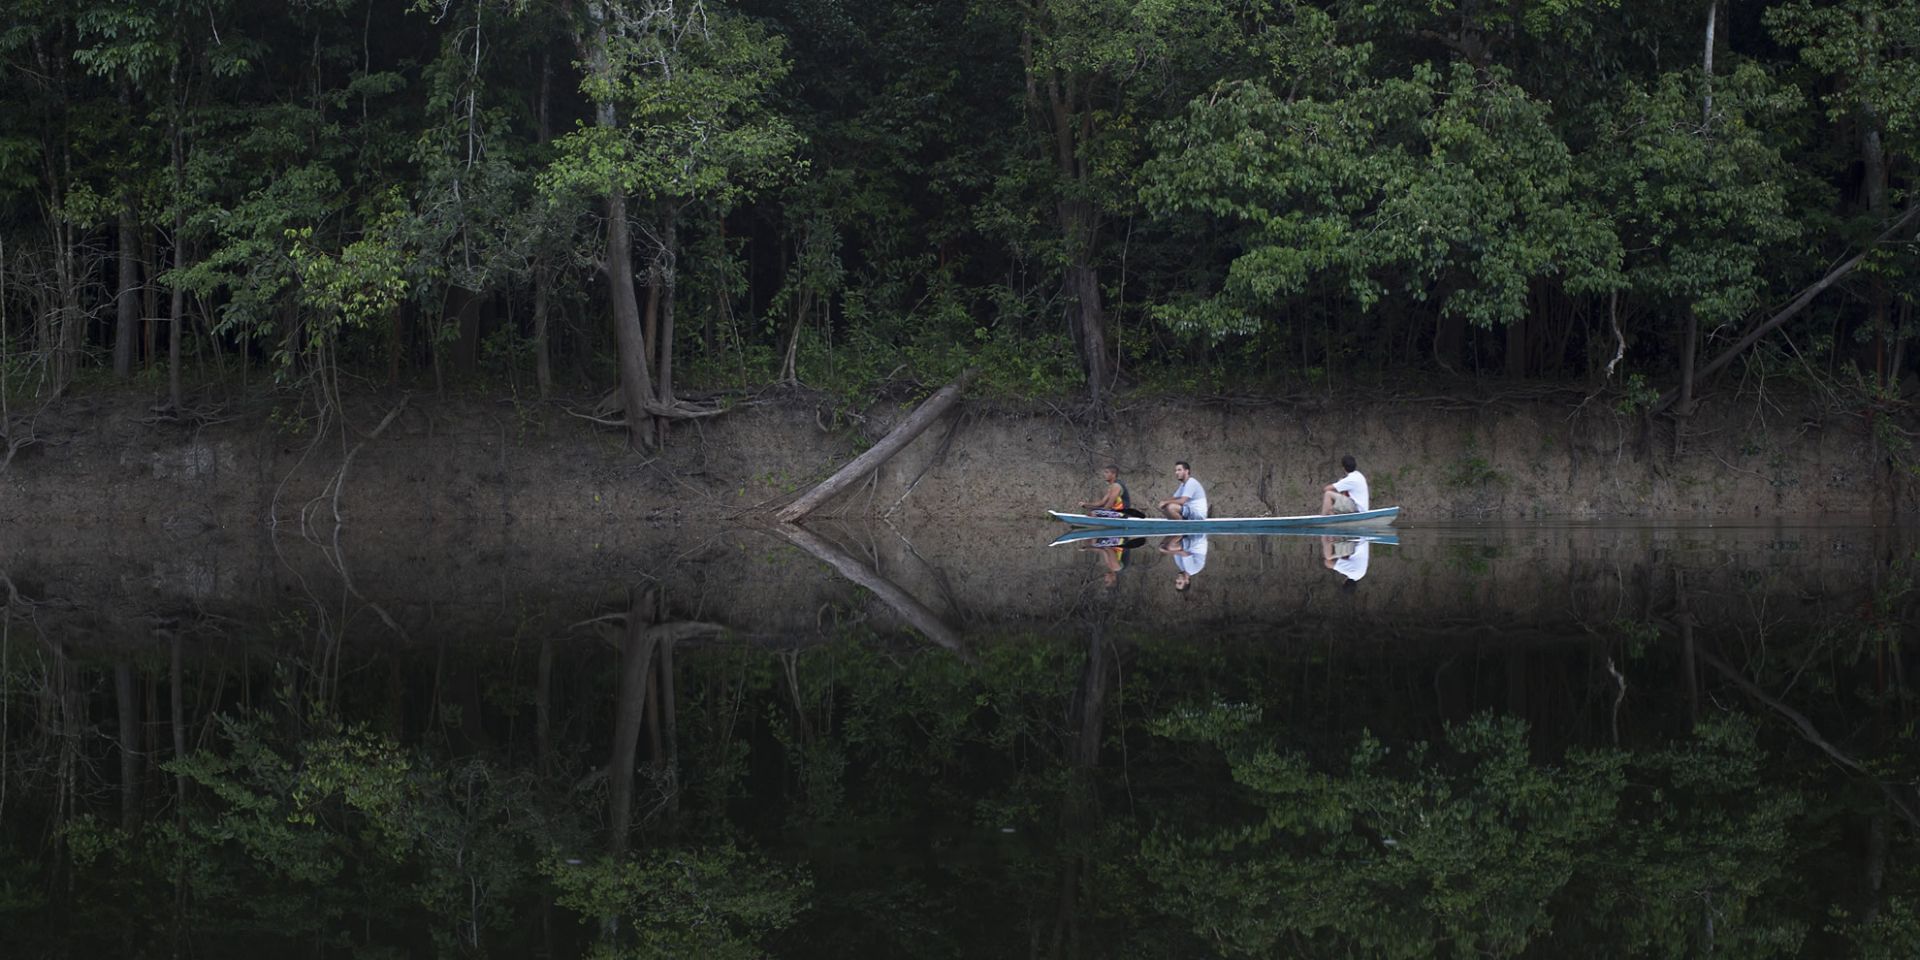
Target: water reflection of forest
1609, 742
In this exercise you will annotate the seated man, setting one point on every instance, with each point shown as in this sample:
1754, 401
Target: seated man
1114, 501
1189, 500
1347, 494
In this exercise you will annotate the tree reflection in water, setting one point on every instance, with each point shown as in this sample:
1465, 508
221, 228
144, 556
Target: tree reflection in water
1712, 757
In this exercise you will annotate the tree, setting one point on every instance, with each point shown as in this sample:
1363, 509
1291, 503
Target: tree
680, 117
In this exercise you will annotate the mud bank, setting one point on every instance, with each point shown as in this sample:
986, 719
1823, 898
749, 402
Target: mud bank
458, 459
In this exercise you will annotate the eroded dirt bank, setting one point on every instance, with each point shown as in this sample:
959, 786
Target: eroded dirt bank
444, 459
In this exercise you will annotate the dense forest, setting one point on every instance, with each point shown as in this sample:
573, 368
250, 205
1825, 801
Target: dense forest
689, 197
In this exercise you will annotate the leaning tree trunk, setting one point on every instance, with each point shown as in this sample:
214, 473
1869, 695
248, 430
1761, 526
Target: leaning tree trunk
879, 453
1793, 308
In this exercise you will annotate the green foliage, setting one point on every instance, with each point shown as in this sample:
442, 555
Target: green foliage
1637, 396
709, 902
1474, 844
1436, 184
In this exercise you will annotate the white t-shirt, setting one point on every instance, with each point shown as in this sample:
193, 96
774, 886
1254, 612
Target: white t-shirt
1196, 499
1354, 566
1195, 545
1354, 485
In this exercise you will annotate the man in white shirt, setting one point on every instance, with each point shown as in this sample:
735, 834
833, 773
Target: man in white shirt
1189, 500
1347, 494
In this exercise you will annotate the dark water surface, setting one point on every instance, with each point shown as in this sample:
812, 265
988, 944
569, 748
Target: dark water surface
959, 741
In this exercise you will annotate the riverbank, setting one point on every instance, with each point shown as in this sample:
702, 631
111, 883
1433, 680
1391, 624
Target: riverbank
107, 459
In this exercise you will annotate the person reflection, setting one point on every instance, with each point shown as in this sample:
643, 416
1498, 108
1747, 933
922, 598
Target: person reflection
1112, 553
1189, 556
1347, 556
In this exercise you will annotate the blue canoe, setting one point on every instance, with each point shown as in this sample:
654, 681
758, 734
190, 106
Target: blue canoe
1149, 526
1369, 534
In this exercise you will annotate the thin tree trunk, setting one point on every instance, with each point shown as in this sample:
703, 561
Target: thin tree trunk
879, 453
177, 307
1706, 89
669, 710
126, 298
542, 277
1517, 348
147, 350
668, 276
543, 707
651, 319
1688, 348
542, 361
126, 703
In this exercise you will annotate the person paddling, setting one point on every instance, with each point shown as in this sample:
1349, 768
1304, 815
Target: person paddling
1347, 494
1115, 501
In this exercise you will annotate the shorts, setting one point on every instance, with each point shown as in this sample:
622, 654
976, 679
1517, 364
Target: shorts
1344, 504
1188, 511
1343, 549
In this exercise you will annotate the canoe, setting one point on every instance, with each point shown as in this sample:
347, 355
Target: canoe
1135, 537
1149, 526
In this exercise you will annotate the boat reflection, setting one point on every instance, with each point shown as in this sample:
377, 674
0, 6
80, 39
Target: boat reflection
1094, 534
1348, 554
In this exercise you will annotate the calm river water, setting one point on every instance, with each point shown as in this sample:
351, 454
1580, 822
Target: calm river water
959, 741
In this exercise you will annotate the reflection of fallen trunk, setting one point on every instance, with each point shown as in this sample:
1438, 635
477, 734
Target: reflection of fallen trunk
895, 441
903, 603
1812, 735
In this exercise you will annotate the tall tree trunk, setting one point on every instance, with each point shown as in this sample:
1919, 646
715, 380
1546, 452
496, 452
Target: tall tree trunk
126, 298
542, 357
1517, 347
1067, 120
1689, 347
1706, 64
542, 277
650, 320
636, 384
177, 305
1873, 156
668, 276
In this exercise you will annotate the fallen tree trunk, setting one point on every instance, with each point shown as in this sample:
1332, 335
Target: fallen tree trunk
1790, 310
903, 603
879, 453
